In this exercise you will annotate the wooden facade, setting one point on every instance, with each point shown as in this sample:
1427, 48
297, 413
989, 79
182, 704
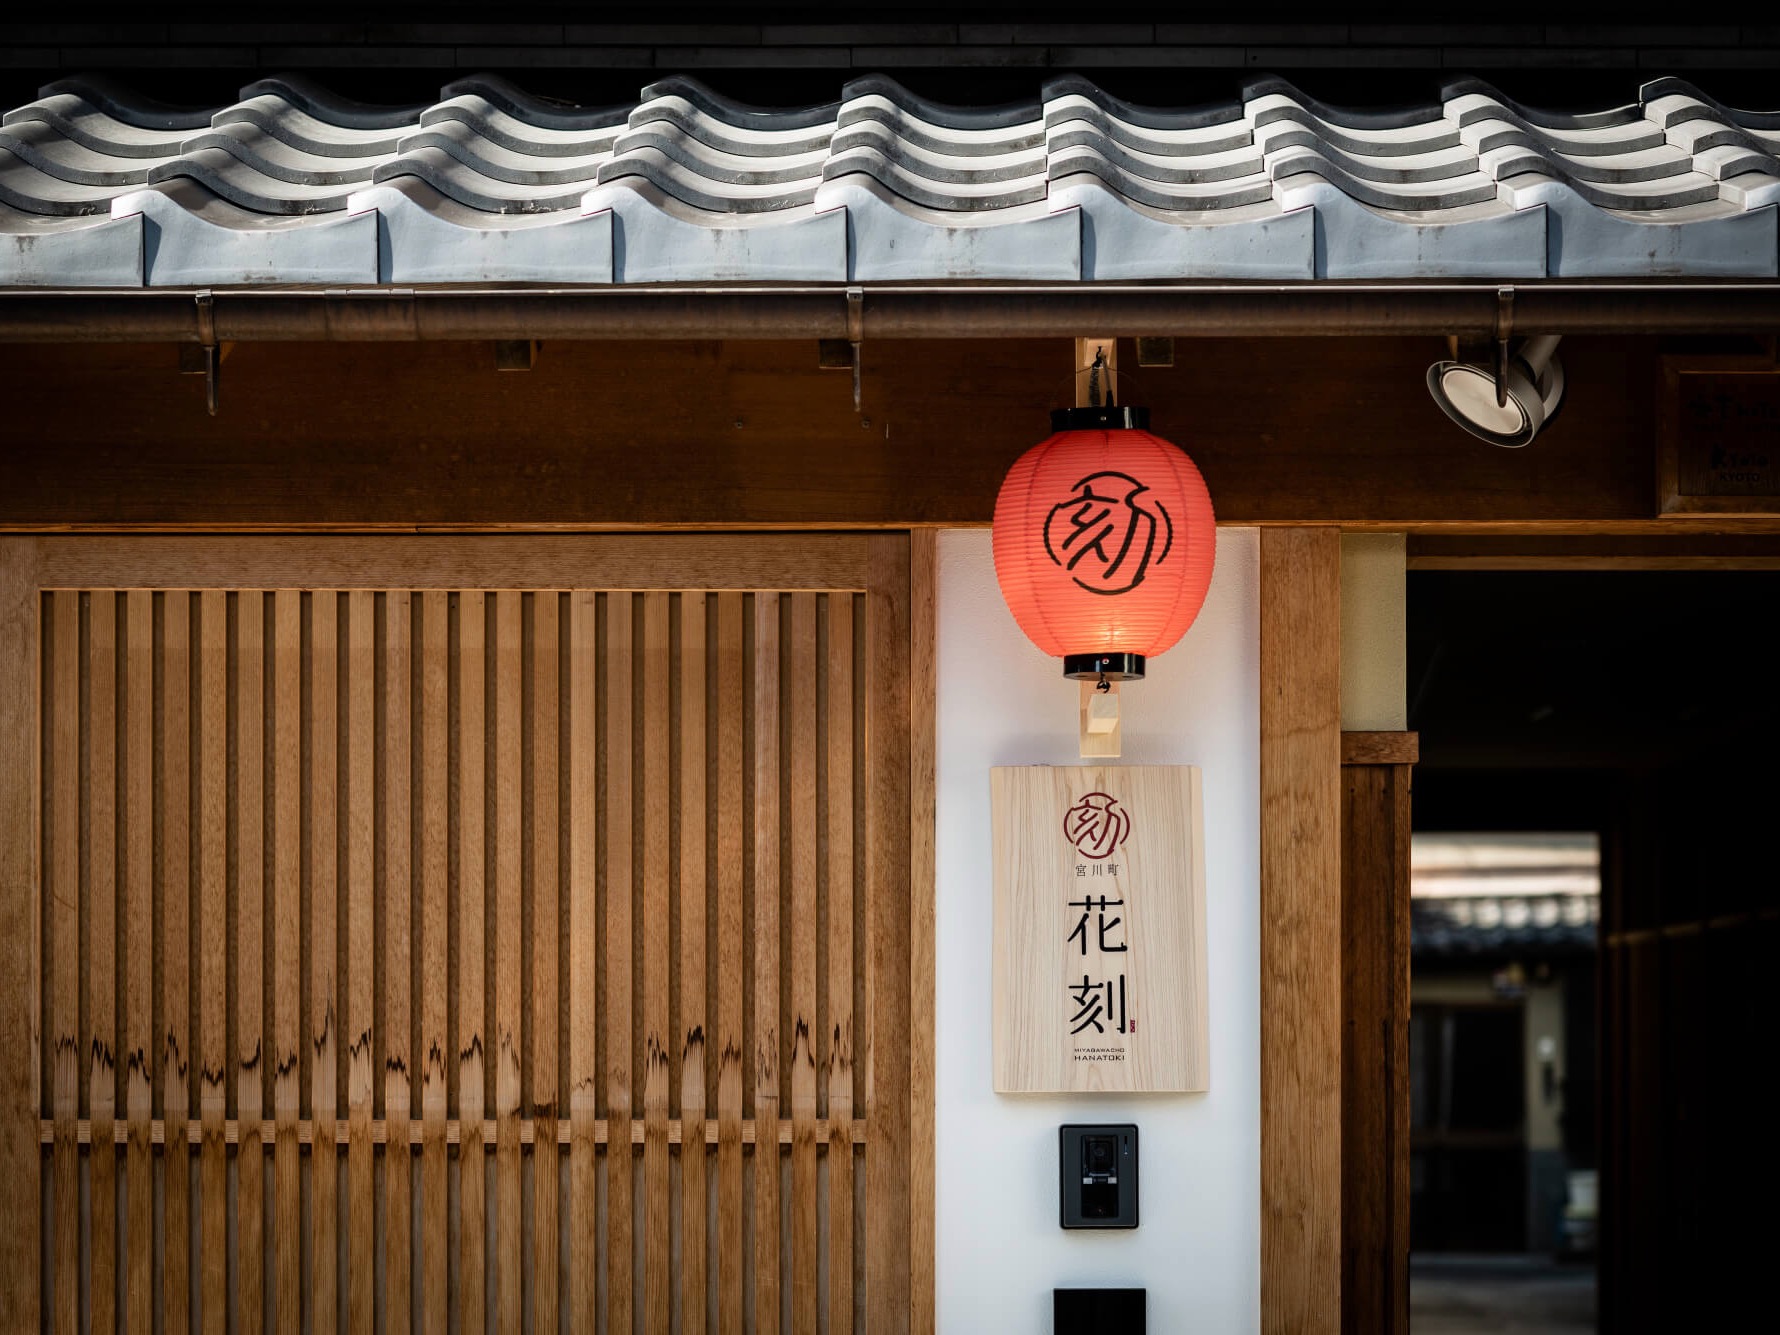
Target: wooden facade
313, 507
586, 865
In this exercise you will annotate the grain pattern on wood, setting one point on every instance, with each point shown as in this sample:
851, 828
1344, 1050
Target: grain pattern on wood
923, 708
250, 952
359, 808
508, 861
348, 415
484, 561
287, 990
656, 666
1301, 905
323, 1021
471, 1043
394, 795
173, 793
1380, 748
1090, 941
214, 950
1375, 1143
693, 873
616, 975
767, 1063
136, 841
731, 1042
886, 802
21, 1299
800, 673
842, 970
580, 698
546, 919
62, 876
360, 847
432, 792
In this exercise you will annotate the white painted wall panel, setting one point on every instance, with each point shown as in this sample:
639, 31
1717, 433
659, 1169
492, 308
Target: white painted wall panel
1001, 702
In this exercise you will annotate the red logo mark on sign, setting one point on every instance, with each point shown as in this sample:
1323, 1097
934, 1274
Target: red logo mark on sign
1096, 825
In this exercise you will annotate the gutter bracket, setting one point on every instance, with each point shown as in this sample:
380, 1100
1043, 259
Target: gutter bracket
205, 301
1504, 331
856, 334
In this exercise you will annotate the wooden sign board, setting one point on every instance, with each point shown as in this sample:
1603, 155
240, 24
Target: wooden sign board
1099, 929
1718, 437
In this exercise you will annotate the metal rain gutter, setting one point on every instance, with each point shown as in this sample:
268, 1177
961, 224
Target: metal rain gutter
837, 311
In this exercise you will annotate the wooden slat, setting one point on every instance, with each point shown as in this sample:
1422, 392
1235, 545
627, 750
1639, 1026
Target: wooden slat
800, 670
173, 797
136, 957
214, 950
482, 561
887, 889
395, 793
546, 916
731, 1043
359, 811
287, 985
657, 670
579, 694
432, 784
694, 1210
841, 965
922, 657
21, 1301
471, 1042
1300, 951
62, 912
767, 1062
509, 684
324, 993
616, 1011
250, 951
101, 998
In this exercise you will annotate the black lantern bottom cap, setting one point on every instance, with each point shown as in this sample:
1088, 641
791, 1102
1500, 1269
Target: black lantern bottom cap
1114, 667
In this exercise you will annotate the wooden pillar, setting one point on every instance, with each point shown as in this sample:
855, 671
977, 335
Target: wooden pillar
1375, 1031
19, 1100
1300, 931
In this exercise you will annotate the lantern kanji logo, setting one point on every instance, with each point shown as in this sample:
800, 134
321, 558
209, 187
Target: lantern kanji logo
1109, 533
1097, 825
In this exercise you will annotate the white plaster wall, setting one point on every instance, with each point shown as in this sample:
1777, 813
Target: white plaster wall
1001, 702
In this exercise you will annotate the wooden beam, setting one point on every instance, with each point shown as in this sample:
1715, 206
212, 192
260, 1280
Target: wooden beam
1689, 551
1301, 932
1380, 748
422, 435
20, 1155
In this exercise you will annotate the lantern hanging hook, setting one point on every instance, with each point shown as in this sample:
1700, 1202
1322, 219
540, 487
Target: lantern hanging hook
1103, 685
1094, 374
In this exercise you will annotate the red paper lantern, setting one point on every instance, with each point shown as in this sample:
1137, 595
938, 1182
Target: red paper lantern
1104, 540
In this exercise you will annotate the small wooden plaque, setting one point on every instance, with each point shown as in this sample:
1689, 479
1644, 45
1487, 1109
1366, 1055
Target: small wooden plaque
1099, 929
1718, 437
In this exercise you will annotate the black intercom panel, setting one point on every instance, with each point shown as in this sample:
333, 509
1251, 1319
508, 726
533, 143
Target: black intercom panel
1097, 1172
1097, 1312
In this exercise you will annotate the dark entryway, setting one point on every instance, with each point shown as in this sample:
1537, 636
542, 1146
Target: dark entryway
1638, 709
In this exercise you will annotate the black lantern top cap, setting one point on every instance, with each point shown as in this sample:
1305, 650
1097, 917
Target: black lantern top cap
1100, 419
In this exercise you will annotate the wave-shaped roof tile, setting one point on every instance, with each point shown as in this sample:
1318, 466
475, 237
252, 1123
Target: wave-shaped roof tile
292, 183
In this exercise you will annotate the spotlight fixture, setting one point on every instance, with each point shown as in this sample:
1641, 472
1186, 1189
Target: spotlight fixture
1509, 413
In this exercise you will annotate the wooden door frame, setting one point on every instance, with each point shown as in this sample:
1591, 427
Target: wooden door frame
897, 570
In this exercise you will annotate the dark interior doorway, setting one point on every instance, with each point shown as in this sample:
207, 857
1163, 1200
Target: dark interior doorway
1640, 708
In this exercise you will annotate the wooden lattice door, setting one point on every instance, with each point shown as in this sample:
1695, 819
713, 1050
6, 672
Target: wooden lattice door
505, 933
